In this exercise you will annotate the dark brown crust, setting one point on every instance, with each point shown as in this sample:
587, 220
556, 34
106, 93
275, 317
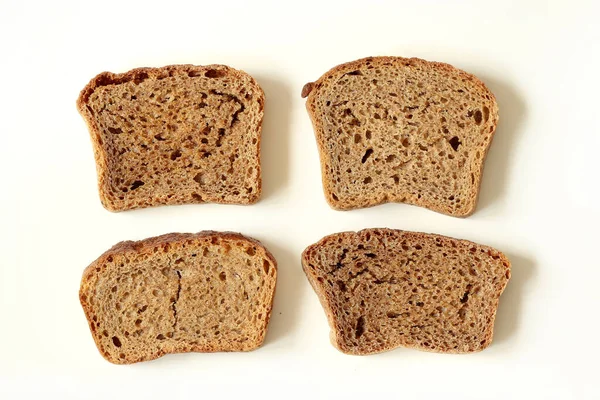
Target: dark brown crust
311, 91
326, 302
147, 246
306, 89
138, 75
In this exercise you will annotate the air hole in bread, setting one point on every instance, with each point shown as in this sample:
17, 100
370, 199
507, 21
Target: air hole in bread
486, 114
215, 73
199, 178
175, 155
360, 327
455, 142
366, 155
136, 184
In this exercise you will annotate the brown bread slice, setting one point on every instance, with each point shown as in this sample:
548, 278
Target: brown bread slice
392, 129
384, 288
175, 135
178, 293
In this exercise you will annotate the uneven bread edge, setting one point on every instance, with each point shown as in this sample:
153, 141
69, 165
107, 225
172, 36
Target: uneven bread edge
138, 75
310, 92
147, 245
336, 339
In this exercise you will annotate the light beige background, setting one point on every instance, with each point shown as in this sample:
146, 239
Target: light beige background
538, 202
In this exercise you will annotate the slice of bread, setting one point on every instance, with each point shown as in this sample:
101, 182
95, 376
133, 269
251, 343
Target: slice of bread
384, 288
178, 293
175, 135
393, 129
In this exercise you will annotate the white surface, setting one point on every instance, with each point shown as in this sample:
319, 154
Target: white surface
538, 201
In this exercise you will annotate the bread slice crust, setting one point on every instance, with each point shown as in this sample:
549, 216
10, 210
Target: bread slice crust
382, 124
179, 292
177, 134
382, 289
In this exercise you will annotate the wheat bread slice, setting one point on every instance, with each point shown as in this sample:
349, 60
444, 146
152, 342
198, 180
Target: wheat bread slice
382, 289
175, 135
392, 129
176, 293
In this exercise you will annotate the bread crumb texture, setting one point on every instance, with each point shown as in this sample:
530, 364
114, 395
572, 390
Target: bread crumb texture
393, 129
382, 289
176, 293
175, 135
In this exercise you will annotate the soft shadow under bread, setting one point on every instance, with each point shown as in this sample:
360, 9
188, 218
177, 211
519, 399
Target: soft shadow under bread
275, 140
498, 165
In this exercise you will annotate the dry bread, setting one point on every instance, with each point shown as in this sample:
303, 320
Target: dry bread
175, 135
393, 129
177, 293
384, 288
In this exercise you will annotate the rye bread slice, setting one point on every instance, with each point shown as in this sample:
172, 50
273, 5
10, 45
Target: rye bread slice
392, 129
384, 288
176, 293
175, 135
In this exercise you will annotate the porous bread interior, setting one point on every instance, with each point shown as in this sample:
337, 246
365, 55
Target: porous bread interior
175, 135
202, 294
383, 289
392, 129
